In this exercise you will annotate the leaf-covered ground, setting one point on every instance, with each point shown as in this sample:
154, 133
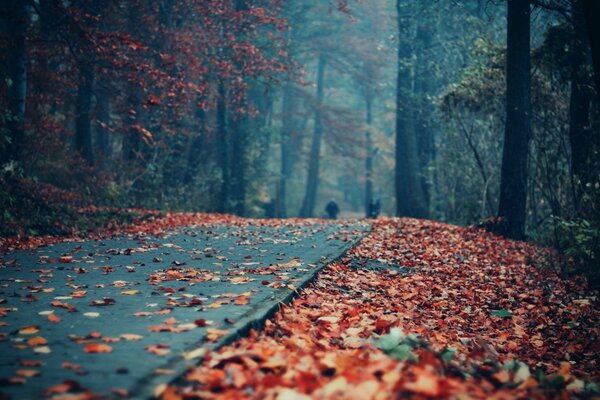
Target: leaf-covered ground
419, 309
113, 317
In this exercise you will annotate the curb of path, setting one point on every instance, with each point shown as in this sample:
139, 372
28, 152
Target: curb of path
146, 387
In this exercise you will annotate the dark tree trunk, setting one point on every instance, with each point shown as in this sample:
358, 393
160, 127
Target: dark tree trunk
312, 182
592, 11
580, 132
286, 150
410, 201
513, 181
83, 122
131, 142
17, 16
238, 164
223, 148
369, 156
102, 135
195, 151
425, 111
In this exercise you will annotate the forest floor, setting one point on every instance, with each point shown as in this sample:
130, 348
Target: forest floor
416, 309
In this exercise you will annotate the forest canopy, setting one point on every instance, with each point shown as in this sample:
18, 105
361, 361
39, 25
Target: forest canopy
470, 112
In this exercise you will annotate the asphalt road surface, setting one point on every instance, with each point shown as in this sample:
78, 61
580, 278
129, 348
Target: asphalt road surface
119, 317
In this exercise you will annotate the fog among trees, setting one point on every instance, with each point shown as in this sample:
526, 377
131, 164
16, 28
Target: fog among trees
469, 112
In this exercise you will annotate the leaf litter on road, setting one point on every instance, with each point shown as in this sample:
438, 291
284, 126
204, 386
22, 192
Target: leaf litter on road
478, 316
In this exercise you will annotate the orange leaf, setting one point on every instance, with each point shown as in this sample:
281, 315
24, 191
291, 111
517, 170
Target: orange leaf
53, 318
97, 348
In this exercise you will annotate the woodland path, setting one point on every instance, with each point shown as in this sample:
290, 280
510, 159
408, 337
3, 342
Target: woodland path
122, 315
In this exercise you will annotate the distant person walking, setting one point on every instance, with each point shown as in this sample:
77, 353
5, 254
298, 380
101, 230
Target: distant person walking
332, 209
374, 208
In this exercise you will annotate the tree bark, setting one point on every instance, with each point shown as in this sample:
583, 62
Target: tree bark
83, 122
312, 182
409, 191
223, 147
592, 11
369, 155
513, 181
102, 135
17, 16
286, 150
425, 111
195, 147
239, 126
580, 132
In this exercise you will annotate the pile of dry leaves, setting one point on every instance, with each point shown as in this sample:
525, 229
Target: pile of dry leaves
419, 309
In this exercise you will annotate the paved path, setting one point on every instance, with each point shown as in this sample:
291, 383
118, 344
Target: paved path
153, 303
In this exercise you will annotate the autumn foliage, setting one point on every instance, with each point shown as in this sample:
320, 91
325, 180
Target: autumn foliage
486, 317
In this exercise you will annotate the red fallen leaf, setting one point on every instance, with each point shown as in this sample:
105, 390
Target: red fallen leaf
242, 300
94, 335
65, 259
71, 366
382, 325
97, 348
106, 301
62, 388
170, 393
29, 330
107, 269
161, 328
37, 341
31, 363
77, 294
53, 318
212, 335
27, 373
143, 314
160, 349
426, 383
60, 304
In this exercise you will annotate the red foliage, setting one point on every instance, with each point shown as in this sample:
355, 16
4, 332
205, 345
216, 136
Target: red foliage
322, 345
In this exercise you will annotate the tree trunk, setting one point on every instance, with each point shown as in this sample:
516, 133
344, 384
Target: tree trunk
592, 11
132, 142
513, 181
239, 126
83, 122
194, 156
102, 135
369, 155
410, 200
425, 112
223, 147
312, 182
580, 132
17, 16
286, 149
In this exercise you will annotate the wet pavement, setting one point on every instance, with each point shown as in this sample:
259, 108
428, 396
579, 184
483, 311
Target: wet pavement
119, 317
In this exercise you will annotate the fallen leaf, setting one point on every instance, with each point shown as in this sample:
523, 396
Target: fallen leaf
97, 348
